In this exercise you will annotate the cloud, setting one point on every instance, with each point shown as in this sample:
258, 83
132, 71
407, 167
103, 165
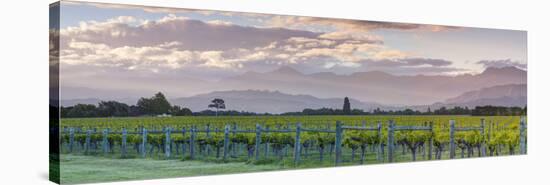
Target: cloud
180, 43
193, 34
155, 58
217, 49
175, 42
401, 66
349, 24
427, 61
409, 62
149, 9
502, 63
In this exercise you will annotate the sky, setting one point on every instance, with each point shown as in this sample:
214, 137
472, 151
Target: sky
129, 43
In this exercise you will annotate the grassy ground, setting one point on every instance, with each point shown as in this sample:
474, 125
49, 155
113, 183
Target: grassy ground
99, 167
87, 169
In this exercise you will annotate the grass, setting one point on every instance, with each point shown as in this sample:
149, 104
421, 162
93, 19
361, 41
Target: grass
88, 169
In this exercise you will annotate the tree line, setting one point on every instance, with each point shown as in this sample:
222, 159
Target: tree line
477, 111
159, 105
155, 105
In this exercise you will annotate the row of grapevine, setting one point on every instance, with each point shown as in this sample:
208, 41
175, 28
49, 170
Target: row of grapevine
297, 142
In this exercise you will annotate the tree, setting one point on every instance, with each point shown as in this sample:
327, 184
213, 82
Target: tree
113, 108
178, 111
218, 104
154, 105
80, 111
135, 111
377, 111
347, 107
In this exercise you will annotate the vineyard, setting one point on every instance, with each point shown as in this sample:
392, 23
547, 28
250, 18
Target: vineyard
296, 141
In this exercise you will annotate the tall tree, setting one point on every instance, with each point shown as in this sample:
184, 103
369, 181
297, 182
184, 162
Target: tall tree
161, 104
154, 105
347, 106
217, 103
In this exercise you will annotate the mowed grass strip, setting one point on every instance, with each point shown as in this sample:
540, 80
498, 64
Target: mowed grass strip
87, 169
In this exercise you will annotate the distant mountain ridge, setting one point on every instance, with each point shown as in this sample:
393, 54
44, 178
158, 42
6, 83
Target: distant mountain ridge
376, 85
510, 95
367, 90
262, 101
511, 90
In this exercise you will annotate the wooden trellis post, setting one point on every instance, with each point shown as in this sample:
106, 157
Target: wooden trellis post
390, 142
225, 142
167, 142
297, 144
522, 136
338, 143
431, 141
144, 143
490, 127
88, 141
258, 140
483, 142
452, 139
183, 143
266, 148
379, 155
105, 141
123, 144
234, 144
71, 139
208, 148
192, 143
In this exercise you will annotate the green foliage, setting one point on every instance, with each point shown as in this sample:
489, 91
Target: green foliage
79, 111
80, 138
505, 135
178, 111
324, 139
440, 137
112, 108
347, 106
156, 139
216, 140
412, 138
248, 139
217, 104
134, 139
154, 105
114, 138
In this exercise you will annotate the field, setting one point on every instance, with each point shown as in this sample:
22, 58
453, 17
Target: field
190, 146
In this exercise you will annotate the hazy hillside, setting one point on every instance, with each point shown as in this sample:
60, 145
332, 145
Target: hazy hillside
511, 91
287, 89
268, 101
375, 85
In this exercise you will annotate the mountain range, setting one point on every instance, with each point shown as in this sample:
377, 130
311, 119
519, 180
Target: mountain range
501, 95
262, 101
286, 89
378, 86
